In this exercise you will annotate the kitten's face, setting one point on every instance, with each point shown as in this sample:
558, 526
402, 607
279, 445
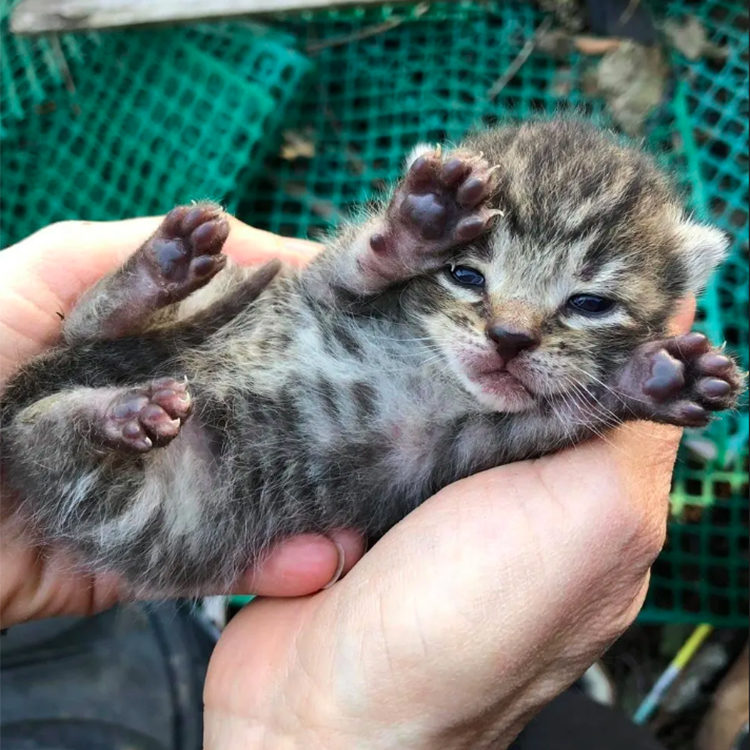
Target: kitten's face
586, 263
520, 327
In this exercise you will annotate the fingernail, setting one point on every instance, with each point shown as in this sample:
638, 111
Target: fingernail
339, 567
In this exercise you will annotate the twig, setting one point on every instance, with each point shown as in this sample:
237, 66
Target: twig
519, 60
627, 14
369, 31
62, 61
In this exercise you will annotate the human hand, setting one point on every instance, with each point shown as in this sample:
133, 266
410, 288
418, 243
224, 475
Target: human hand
42, 277
466, 618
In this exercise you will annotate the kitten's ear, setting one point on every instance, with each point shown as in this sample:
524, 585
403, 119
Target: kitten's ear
703, 248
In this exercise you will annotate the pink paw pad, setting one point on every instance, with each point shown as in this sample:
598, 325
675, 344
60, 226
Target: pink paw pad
186, 250
142, 418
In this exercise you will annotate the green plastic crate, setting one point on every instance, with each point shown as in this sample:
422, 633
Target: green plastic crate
138, 121
31, 71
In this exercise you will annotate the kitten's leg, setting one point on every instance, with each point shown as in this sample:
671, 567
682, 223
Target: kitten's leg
89, 476
98, 421
441, 203
183, 254
679, 380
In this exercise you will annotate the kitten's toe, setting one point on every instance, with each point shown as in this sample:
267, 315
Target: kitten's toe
688, 414
157, 423
715, 393
182, 220
688, 346
120, 426
715, 363
173, 396
454, 171
208, 237
472, 192
423, 173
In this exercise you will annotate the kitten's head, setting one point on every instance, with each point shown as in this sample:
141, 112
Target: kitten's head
587, 262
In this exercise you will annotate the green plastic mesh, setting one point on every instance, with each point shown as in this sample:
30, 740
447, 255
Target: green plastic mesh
31, 71
143, 120
137, 121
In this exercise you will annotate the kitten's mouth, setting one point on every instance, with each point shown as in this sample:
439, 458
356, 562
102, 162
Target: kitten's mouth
499, 382
494, 383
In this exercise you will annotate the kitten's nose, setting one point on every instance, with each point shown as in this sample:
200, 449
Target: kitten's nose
509, 342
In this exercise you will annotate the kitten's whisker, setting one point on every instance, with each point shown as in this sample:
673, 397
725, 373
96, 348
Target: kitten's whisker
597, 405
609, 388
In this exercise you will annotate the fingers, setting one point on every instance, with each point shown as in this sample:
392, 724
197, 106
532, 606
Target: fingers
513, 557
534, 568
248, 245
304, 564
624, 477
38, 583
70, 256
682, 320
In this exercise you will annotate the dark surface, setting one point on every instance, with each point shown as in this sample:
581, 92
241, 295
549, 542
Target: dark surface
132, 678
128, 678
621, 18
574, 722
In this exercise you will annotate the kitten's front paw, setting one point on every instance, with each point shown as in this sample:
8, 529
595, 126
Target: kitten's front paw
185, 252
441, 203
141, 418
681, 380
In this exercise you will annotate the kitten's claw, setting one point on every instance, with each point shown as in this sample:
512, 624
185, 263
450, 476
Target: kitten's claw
140, 418
681, 380
185, 252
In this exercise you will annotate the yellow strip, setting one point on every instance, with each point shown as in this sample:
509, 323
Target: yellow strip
691, 645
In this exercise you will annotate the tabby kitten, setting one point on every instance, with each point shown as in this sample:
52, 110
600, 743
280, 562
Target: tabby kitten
510, 299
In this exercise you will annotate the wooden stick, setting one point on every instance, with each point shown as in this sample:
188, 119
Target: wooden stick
519, 59
39, 16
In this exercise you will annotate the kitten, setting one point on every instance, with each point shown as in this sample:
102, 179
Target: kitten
510, 299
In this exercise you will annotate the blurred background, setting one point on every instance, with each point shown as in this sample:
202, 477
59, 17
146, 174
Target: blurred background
291, 120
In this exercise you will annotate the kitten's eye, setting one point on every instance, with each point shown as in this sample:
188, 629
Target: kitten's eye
466, 276
590, 304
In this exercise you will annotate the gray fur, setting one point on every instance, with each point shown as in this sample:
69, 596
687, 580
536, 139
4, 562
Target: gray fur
336, 396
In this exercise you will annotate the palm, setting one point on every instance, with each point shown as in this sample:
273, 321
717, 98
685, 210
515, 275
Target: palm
525, 571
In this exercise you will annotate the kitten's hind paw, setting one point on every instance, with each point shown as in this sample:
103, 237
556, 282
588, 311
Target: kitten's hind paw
681, 380
185, 252
139, 419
